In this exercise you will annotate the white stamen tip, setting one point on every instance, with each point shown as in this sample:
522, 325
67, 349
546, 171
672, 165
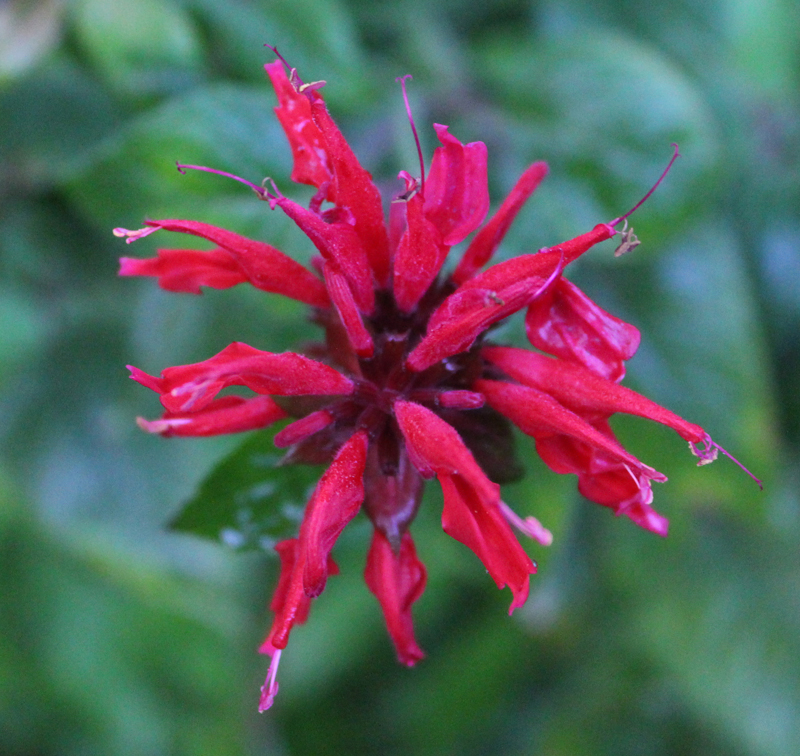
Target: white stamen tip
132, 235
161, 425
530, 526
270, 687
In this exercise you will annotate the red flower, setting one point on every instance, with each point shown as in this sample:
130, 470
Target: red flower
407, 384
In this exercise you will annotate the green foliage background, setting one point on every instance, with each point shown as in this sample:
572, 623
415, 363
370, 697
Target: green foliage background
118, 637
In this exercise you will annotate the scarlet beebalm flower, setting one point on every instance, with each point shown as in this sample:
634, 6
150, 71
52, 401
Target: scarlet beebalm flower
407, 385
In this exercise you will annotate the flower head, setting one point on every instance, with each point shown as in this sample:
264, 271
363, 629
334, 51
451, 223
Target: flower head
407, 385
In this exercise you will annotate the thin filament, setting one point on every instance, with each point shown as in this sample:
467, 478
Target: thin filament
644, 199
402, 81
530, 526
709, 454
259, 190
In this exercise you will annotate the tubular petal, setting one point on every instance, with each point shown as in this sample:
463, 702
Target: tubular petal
481, 527
302, 429
456, 190
582, 390
339, 242
264, 266
335, 501
397, 579
567, 324
342, 296
419, 257
539, 415
463, 316
186, 270
537, 265
311, 164
353, 189
191, 387
435, 448
230, 414
574, 248
486, 241
290, 603
460, 399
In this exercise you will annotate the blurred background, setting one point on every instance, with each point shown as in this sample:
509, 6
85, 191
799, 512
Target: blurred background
118, 636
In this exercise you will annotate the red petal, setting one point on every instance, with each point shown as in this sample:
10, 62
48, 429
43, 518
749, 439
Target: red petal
397, 580
488, 239
186, 270
583, 391
481, 527
481, 302
574, 248
456, 189
342, 296
392, 497
338, 242
397, 223
311, 162
435, 448
537, 265
353, 189
264, 266
191, 387
539, 415
231, 414
289, 602
335, 501
566, 323
459, 399
301, 429
603, 479
627, 495
419, 257
472, 514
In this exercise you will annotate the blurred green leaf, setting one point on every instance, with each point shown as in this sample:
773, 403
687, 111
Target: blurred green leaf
249, 501
142, 47
629, 644
103, 650
28, 31
602, 109
50, 121
222, 126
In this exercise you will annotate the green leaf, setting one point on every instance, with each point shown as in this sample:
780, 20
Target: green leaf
249, 501
223, 126
52, 121
141, 47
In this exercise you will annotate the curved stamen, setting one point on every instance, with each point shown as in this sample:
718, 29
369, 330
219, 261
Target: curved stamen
275, 50
162, 424
530, 526
652, 189
259, 190
133, 235
707, 451
559, 269
411, 187
402, 81
294, 78
270, 687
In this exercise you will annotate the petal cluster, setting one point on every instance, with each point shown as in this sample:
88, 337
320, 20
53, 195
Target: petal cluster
406, 384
